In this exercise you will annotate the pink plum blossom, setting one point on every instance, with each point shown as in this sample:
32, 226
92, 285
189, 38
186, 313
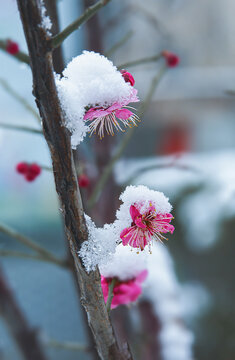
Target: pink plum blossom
124, 292
145, 227
106, 119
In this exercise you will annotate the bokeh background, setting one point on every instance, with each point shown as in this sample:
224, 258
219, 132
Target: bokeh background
184, 146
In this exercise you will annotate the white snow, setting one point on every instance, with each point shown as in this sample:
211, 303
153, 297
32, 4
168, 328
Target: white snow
46, 21
100, 246
89, 80
125, 264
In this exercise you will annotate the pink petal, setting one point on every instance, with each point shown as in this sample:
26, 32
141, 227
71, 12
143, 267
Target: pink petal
139, 222
142, 276
134, 212
126, 236
123, 114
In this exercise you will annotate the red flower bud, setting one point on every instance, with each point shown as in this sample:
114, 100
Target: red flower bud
128, 77
22, 168
83, 181
34, 169
172, 59
12, 47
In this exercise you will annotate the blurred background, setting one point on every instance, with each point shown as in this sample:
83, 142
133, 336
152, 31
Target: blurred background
184, 146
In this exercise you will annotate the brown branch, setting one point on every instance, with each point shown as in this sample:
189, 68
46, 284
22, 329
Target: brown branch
25, 337
88, 13
58, 140
21, 56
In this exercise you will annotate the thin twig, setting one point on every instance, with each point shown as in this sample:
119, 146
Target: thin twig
21, 56
20, 128
19, 98
140, 61
67, 345
47, 168
119, 44
123, 144
171, 164
28, 242
22, 255
58, 39
110, 295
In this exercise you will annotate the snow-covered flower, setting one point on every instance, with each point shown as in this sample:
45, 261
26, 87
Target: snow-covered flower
124, 291
129, 272
95, 97
143, 216
107, 119
146, 226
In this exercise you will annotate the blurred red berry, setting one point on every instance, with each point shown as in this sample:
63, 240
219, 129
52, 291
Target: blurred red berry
34, 169
128, 77
30, 177
12, 47
83, 181
30, 171
172, 59
22, 168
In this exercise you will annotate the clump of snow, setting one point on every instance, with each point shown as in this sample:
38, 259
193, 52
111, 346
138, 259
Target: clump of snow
89, 80
46, 21
125, 264
142, 196
100, 246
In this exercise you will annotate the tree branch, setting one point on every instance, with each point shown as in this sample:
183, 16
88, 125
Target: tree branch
58, 39
119, 44
19, 98
29, 243
25, 337
140, 61
21, 128
58, 140
67, 345
21, 56
18, 254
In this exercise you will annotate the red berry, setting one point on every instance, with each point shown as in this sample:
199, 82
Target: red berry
83, 181
22, 168
128, 77
30, 177
34, 169
172, 59
12, 47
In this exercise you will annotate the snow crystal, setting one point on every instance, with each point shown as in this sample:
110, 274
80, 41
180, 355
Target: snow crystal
125, 264
46, 21
141, 195
89, 80
100, 246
